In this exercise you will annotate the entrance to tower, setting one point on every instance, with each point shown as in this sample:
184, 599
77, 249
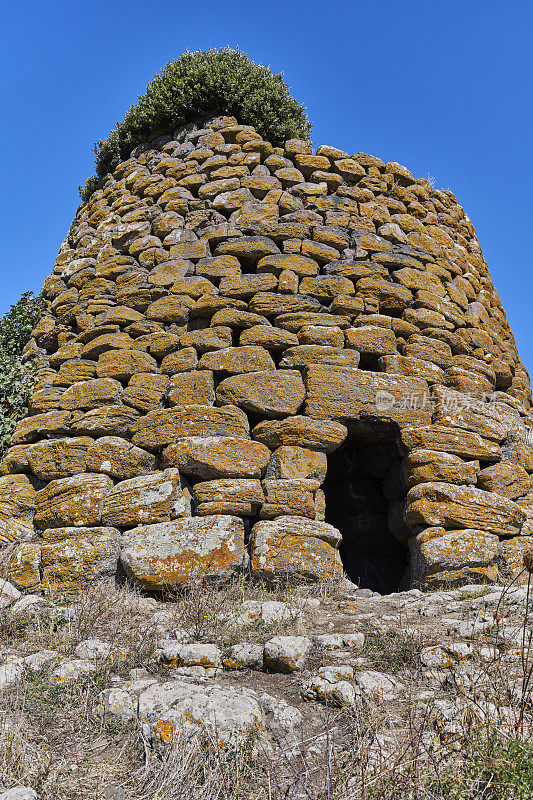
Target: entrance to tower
364, 500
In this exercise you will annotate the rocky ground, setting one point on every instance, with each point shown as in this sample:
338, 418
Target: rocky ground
247, 692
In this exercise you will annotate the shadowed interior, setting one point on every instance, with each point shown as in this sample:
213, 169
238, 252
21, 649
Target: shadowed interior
361, 484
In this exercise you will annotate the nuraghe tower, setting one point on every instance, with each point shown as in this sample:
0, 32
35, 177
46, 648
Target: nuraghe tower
267, 359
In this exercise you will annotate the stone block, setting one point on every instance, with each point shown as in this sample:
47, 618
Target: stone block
267, 336
369, 340
236, 360
300, 431
510, 558
105, 421
462, 443
25, 566
73, 557
440, 558
289, 498
162, 427
448, 506
306, 354
144, 500
273, 393
350, 395
191, 388
505, 478
119, 458
88, 395
290, 462
458, 410
224, 495
58, 458
123, 364
52, 423
75, 501
295, 549
426, 466
175, 554
210, 457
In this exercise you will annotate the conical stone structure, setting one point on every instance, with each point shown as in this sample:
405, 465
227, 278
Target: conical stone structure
268, 359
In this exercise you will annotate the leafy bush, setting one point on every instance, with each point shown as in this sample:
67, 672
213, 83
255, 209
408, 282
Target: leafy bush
495, 768
16, 377
197, 86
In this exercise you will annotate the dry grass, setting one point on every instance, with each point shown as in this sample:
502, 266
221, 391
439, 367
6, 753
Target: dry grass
52, 739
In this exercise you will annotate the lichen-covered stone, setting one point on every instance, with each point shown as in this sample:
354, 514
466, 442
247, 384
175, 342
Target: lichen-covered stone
240, 497
88, 395
426, 466
191, 388
52, 423
505, 478
348, 395
273, 393
163, 427
294, 548
119, 458
510, 558
73, 557
300, 431
289, 498
291, 462
466, 444
58, 458
123, 364
145, 391
108, 420
210, 457
144, 500
449, 506
236, 360
452, 558
25, 566
173, 554
75, 501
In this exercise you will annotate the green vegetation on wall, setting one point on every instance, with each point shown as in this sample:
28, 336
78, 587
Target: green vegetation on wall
16, 377
199, 85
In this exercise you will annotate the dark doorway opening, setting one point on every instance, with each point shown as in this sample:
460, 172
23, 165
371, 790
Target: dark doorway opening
364, 500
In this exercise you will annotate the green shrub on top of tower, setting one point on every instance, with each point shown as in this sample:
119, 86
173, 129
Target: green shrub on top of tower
199, 85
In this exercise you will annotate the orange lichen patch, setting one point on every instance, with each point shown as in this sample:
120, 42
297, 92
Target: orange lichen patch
167, 731
24, 568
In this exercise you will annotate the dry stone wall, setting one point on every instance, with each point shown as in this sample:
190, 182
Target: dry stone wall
274, 359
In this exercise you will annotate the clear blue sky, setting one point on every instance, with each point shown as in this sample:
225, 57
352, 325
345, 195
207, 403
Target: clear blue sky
443, 88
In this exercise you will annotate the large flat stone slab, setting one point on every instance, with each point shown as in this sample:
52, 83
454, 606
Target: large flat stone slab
351, 395
173, 554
